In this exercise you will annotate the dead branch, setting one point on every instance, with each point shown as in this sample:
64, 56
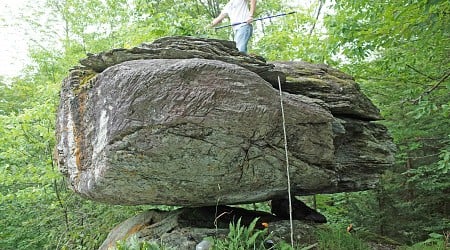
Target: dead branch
427, 92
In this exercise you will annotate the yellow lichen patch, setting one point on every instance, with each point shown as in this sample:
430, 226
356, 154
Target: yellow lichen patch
78, 158
305, 71
82, 98
339, 81
135, 229
86, 80
291, 79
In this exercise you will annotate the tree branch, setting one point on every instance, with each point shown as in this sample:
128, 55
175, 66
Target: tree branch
319, 9
427, 92
416, 70
211, 6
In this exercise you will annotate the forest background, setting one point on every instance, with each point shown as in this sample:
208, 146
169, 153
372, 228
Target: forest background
398, 51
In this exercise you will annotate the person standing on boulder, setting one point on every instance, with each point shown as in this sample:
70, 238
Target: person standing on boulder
240, 14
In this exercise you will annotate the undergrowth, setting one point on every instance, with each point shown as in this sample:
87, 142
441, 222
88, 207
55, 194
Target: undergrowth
241, 237
339, 240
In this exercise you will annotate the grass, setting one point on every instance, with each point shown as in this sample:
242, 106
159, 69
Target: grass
241, 237
339, 240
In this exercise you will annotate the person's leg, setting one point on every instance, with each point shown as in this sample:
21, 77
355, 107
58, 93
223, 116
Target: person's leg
242, 37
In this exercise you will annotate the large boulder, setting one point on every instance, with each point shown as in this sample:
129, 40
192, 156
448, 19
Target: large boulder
142, 126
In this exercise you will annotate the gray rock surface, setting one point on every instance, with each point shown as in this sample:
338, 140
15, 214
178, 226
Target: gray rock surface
337, 89
204, 127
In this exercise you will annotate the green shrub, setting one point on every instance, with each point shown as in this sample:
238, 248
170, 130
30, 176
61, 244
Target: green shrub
339, 239
243, 238
434, 242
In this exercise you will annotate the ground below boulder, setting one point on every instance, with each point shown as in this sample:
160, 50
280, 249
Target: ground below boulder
185, 228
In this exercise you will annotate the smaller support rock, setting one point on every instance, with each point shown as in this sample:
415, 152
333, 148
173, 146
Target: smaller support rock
185, 228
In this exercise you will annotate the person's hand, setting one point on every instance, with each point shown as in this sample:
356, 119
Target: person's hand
207, 28
249, 20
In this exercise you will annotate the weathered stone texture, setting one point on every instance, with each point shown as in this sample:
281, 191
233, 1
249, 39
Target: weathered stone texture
202, 126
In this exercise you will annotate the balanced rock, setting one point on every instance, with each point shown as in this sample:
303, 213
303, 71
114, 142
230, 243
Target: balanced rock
143, 126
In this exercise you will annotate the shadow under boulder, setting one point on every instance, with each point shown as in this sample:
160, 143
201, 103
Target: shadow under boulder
184, 228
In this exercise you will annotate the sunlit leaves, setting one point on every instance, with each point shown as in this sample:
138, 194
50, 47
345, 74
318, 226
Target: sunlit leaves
399, 52
293, 37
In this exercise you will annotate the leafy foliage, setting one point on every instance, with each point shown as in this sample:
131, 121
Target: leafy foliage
293, 37
339, 239
241, 237
400, 56
434, 242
